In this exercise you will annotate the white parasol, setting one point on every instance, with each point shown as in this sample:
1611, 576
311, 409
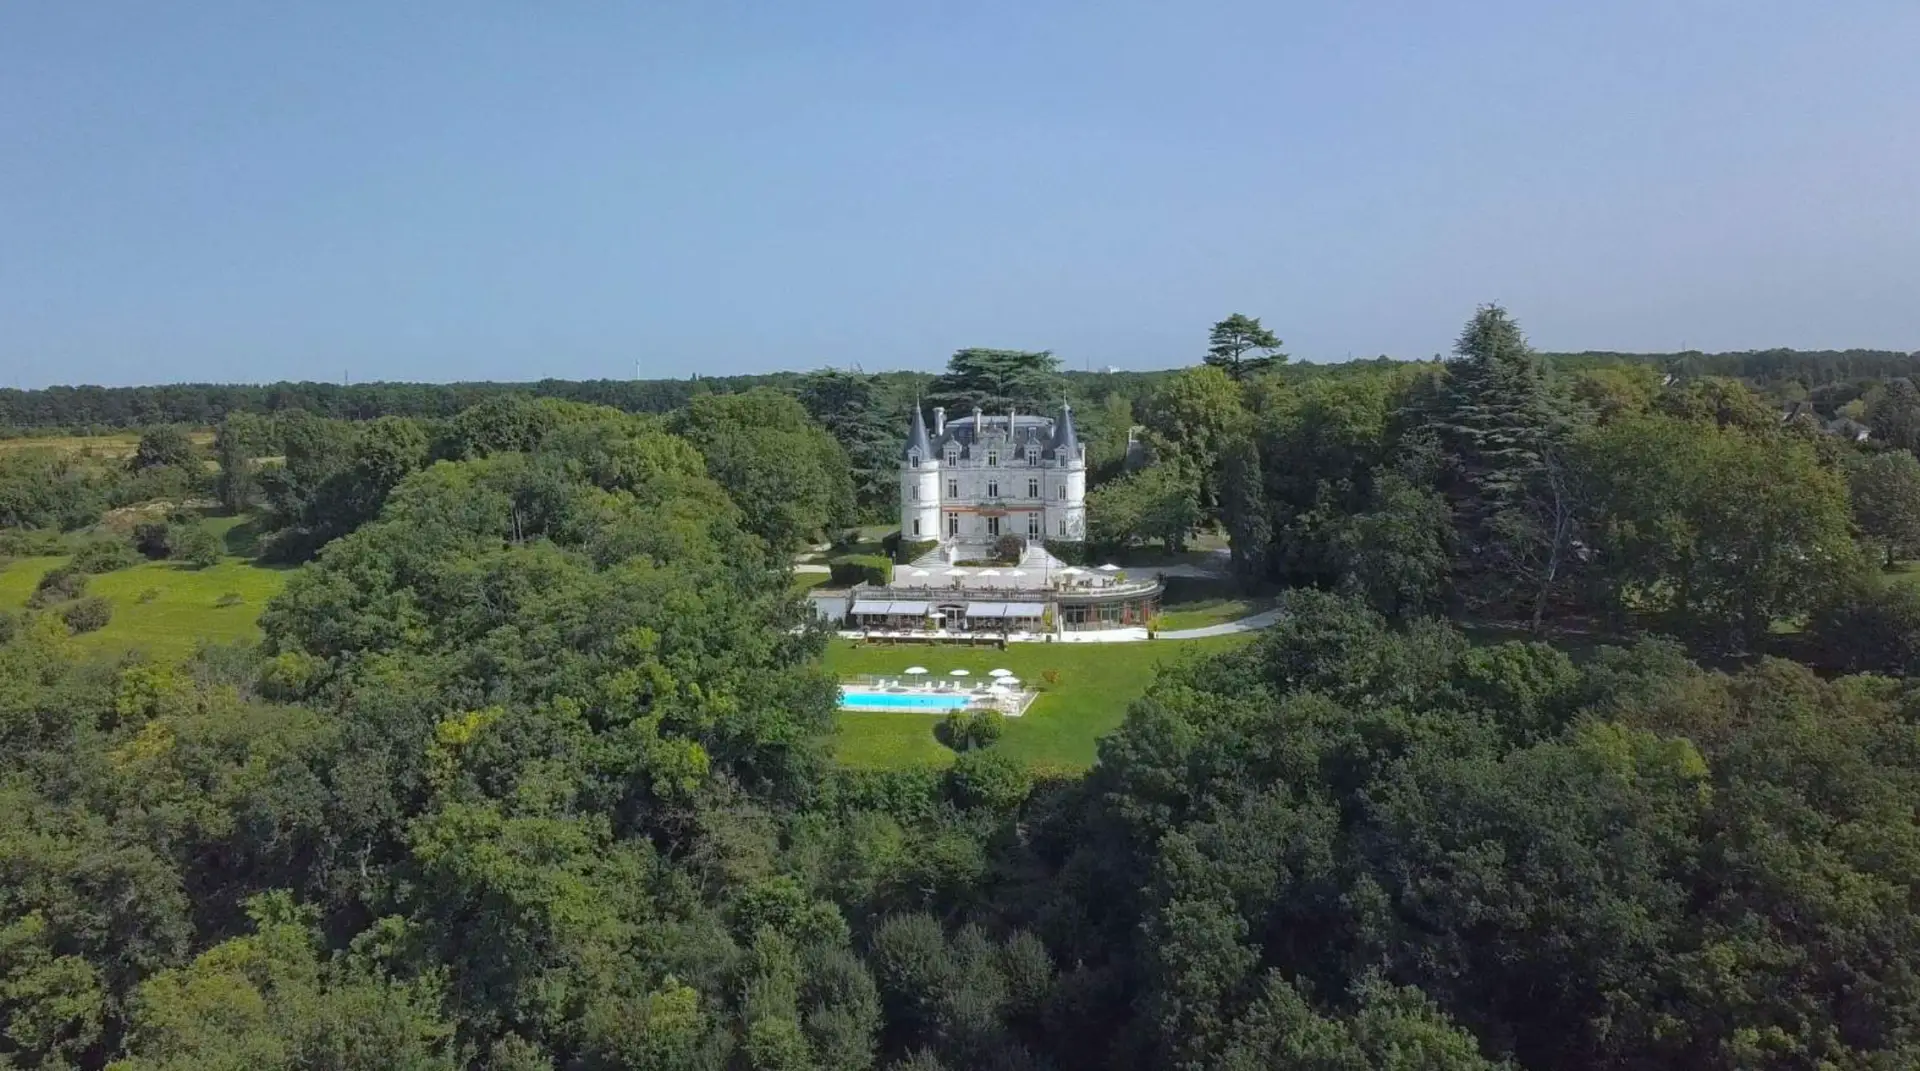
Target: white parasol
915, 671
1109, 568
958, 673
999, 673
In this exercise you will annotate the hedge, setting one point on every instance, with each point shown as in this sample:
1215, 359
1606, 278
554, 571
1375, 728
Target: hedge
1071, 551
852, 569
903, 551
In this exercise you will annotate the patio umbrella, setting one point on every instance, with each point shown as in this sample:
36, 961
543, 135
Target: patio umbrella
999, 673
1072, 569
988, 572
958, 673
956, 572
915, 671
1018, 572
1109, 568
919, 572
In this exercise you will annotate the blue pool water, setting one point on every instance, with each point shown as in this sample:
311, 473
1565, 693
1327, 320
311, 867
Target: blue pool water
868, 699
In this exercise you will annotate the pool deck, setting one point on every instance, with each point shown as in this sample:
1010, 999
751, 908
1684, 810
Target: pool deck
1008, 702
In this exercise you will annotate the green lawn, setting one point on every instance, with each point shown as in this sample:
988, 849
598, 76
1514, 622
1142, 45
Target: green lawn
1097, 682
1191, 602
181, 610
803, 581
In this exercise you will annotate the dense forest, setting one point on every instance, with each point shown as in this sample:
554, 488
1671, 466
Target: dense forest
1586, 739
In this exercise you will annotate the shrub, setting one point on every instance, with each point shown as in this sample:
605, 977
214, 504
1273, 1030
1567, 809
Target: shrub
162, 446
1009, 547
903, 550
231, 598
9, 625
1868, 627
851, 569
1051, 676
289, 675
148, 596
962, 731
105, 556
196, 546
59, 585
153, 539
22, 543
90, 614
986, 778
1071, 551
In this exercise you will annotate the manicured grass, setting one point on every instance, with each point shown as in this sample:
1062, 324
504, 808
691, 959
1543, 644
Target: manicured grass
1058, 732
181, 612
803, 581
1191, 602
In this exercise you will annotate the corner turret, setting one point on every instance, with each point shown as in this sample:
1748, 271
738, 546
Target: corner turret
919, 448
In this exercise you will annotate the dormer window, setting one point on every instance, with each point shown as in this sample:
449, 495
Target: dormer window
1033, 455
953, 455
913, 458
993, 458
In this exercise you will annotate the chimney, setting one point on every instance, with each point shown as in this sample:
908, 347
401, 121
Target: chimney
939, 421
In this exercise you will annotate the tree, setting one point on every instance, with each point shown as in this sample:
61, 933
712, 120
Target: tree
165, 445
1501, 424
1720, 533
848, 405
789, 477
238, 442
998, 380
1895, 416
1243, 509
1191, 418
1885, 492
1397, 554
195, 545
1158, 502
266, 1000
1230, 340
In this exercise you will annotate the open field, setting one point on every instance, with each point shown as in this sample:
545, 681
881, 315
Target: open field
119, 444
1058, 733
164, 609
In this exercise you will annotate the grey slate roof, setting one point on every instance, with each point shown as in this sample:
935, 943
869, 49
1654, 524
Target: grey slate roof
917, 437
1065, 443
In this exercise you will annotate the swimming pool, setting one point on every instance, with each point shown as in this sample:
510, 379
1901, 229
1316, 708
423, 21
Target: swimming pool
918, 702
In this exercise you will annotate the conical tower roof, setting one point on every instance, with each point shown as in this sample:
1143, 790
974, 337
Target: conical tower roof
1065, 442
917, 437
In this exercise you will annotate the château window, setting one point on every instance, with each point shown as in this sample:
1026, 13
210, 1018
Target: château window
953, 455
1033, 455
992, 458
916, 526
993, 489
1063, 527
953, 488
953, 524
1033, 488
1060, 492
913, 458
1033, 524
916, 492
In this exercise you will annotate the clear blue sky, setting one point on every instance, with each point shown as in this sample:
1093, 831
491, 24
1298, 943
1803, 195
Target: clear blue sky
253, 191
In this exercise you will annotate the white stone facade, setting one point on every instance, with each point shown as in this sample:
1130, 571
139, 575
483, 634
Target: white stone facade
974, 479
